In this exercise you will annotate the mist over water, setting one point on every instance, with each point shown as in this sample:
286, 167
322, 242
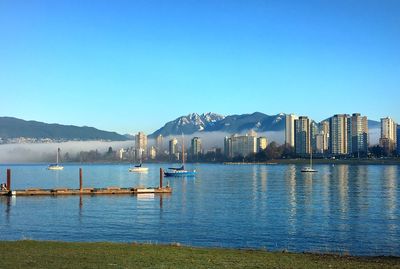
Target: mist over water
46, 152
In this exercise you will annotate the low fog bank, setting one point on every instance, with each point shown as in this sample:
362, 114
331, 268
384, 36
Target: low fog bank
216, 139
46, 152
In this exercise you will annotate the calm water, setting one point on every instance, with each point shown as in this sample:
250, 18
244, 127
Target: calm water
342, 208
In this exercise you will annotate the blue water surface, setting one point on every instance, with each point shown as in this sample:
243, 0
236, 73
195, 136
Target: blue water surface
350, 209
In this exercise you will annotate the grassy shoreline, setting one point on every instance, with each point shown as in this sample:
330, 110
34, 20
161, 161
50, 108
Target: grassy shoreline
51, 254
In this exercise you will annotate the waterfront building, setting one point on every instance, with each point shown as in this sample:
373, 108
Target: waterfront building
262, 143
314, 131
324, 130
290, 130
152, 152
398, 140
359, 134
388, 135
141, 146
173, 147
244, 145
319, 143
159, 143
195, 147
228, 147
339, 129
302, 135
121, 153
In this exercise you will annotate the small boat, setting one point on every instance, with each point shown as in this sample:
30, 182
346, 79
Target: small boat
55, 166
309, 169
180, 171
139, 169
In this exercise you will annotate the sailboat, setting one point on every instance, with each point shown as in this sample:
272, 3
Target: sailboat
309, 169
56, 166
139, 169
180, 171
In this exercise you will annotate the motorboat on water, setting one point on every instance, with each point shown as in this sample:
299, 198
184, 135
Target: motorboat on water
139, 169
56, 166
179, 172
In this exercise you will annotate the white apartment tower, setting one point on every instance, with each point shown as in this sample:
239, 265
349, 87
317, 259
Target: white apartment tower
290, 130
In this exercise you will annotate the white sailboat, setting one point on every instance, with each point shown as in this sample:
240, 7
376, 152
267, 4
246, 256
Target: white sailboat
139, 169
56, 166
309, 169
180, 171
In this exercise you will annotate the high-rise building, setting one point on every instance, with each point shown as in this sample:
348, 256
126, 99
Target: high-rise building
314, 131
159, 143
262, 143
141, 145
388, 135
228, 147
319, 143
324, 130
195, 146
244, 145
302, 135
398, 140
339, 130
152, 152
290, 130
359, 134
173, 147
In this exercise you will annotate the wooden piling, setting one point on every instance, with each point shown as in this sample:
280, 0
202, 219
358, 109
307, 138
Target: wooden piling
9, 179
161, 177
80, 180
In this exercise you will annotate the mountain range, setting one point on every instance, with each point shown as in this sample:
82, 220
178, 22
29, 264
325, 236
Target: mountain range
14, 128
189, 124
212, 122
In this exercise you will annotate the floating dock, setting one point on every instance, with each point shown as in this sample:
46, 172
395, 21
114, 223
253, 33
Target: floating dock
7, 191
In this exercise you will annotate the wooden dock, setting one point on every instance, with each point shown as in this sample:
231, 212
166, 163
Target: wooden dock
84, 191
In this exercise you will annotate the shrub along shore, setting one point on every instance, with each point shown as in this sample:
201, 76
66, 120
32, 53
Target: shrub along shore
49, 254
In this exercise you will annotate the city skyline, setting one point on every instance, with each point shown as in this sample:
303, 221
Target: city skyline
128, 67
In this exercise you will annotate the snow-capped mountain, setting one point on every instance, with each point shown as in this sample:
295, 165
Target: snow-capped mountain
211, 122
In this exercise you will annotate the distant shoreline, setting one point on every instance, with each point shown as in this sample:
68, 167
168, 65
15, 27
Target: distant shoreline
386, 161
391, 161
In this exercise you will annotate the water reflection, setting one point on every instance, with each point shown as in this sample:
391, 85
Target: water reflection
291, 183
339, 208
389, 180
343, 181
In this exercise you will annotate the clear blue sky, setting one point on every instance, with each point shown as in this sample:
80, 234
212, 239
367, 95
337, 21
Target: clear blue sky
134, 65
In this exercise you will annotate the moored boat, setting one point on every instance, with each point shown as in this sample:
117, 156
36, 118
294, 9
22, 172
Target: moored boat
309, 169
139, 169
180, 171
56, 166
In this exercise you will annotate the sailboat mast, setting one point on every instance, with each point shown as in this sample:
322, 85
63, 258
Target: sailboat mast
311, 159
58, 152
183, 151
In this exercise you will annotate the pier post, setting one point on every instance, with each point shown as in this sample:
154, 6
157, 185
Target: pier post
9, 179
80, 180
161, 177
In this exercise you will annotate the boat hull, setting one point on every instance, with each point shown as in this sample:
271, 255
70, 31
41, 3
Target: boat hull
308, 170
58, 167
180, 174
139, 169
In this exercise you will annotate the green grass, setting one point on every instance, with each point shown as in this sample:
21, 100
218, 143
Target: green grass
35, 254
